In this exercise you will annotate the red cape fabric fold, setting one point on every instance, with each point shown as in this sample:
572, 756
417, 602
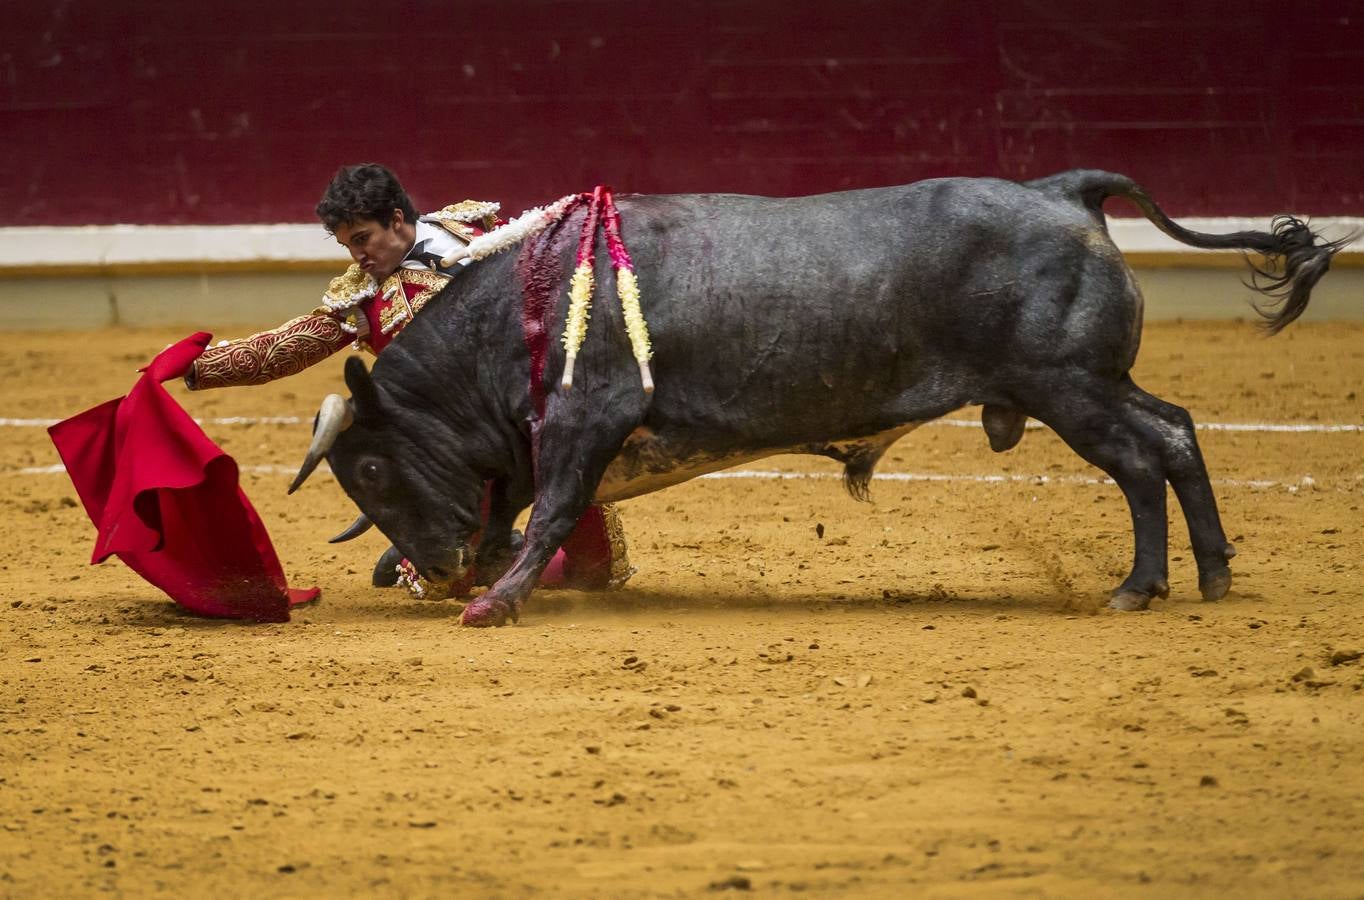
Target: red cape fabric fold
166, 500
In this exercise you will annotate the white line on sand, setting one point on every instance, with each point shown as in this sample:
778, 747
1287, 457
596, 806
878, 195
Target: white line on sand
1289, 427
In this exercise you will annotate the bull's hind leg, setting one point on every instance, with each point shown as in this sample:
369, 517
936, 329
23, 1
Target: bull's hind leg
1189, 477
1090, 418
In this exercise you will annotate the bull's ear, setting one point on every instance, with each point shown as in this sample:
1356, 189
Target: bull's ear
364, 395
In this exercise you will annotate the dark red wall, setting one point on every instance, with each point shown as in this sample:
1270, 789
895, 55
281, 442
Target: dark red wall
174, 111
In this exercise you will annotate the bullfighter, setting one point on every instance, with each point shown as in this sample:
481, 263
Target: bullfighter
397, 268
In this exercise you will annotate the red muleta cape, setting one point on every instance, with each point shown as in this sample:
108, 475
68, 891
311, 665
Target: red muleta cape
166, 501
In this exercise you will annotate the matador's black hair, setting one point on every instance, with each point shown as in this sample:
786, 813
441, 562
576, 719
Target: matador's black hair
366, 191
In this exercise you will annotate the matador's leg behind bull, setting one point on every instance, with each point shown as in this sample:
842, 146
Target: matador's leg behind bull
596, 555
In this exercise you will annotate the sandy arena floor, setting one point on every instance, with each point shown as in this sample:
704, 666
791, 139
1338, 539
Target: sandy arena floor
927, 700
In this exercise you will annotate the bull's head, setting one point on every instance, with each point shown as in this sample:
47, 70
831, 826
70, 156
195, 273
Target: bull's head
400, 467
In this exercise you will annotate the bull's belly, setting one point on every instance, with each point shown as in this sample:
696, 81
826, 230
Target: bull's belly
646, 463
625, 478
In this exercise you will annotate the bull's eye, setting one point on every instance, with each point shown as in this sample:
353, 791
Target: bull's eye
369, 473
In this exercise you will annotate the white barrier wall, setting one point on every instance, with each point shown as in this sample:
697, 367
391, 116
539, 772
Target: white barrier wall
244, 276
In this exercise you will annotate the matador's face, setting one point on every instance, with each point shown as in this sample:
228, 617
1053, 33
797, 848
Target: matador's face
376, 247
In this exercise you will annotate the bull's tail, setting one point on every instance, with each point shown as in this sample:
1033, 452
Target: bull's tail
1293, 257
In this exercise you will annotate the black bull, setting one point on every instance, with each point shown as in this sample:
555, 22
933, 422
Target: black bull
830, 325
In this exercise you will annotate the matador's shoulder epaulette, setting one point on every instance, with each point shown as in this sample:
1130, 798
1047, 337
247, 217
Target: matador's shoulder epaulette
482, 213
352, 287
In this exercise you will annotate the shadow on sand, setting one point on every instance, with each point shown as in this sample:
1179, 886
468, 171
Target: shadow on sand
643, 603
375, 604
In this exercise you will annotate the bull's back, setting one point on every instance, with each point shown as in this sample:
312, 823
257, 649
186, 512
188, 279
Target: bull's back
820, 313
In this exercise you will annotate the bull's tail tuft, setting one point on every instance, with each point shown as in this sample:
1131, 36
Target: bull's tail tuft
1293, 257
857, 475
1289, 269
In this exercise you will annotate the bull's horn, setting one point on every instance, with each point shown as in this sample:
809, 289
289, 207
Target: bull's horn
334, 417
354, 530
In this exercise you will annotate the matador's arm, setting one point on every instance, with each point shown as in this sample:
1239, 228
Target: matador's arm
293, 346
286, 350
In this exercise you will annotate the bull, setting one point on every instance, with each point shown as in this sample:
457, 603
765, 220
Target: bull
830, 325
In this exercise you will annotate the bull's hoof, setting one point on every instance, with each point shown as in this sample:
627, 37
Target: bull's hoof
487, 612
1135, 599
1129, 601
1214, 585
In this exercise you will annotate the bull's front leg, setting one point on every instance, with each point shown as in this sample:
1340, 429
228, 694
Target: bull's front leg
575, 448
496, 549
556, 512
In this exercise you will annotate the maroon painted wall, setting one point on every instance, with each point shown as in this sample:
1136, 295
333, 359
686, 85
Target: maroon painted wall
170, 111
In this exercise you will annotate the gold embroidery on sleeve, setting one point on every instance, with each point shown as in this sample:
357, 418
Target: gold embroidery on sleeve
260, 358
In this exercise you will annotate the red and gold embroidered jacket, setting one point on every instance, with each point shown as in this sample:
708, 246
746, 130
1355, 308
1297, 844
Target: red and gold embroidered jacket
354, 309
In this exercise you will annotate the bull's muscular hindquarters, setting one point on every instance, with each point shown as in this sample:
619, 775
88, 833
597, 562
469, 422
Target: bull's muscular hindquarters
831, 324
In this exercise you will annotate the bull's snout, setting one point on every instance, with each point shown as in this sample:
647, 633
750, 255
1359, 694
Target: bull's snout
451, 566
